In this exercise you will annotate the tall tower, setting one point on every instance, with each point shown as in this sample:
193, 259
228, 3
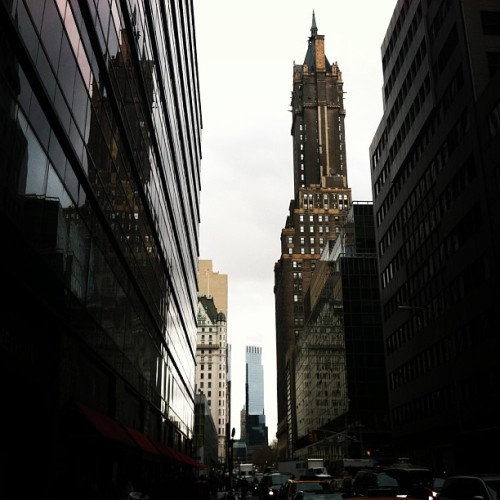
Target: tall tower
254, 380
321, 202
255, 419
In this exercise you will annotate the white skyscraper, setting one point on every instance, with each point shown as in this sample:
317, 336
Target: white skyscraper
254, 380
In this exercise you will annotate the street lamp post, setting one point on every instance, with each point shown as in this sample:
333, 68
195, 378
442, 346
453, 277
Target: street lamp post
231, 457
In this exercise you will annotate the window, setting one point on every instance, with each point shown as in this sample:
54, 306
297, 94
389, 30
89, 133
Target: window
490, 21
493, 62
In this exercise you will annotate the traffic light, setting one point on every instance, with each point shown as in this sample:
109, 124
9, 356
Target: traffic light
313, 437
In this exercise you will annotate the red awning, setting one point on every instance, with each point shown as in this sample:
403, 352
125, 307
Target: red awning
107, 426
165, 450
189, 460
177, 456
143, 441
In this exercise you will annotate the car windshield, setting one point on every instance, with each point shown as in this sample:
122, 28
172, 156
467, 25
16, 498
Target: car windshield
322, 496
319, 487
385, 480
493, 486
279, 479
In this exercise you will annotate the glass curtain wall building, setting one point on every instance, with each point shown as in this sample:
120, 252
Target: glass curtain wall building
255, 418
99, 205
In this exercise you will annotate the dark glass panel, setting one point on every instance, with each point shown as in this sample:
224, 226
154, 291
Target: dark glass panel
29, 35
46, 74
36, 9
38, 121
81, 104
66, 69
51, 33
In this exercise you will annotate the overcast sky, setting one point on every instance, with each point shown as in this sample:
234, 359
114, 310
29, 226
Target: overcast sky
246, 52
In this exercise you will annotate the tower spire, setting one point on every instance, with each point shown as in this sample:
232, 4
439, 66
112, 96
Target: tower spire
314, 29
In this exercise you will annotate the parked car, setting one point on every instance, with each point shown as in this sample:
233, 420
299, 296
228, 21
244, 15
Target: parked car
477, 487
305, 485
270, 485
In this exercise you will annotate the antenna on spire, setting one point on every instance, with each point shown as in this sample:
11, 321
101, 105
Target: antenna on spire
314, 29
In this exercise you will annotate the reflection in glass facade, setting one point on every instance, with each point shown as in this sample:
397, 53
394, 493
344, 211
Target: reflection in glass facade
99, 203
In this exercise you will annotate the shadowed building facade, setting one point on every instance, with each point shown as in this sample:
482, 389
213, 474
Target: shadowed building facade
341, 389
435, 163
316, 213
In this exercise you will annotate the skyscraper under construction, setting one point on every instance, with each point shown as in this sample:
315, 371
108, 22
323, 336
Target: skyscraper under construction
320, 204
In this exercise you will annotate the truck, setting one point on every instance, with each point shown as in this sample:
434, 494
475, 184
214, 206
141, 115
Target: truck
296, 467
246, 470
302, 467
316, 467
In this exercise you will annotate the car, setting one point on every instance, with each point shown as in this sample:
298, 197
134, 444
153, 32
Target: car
369, 482
469, 487
311, 495
437, 484
270, 485
255, 482
413, 480
304, 484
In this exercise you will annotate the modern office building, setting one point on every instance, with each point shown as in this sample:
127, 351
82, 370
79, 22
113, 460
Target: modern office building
341, 388
99, 203
255, 418
435, 163
254, 380
212, 366
316, 213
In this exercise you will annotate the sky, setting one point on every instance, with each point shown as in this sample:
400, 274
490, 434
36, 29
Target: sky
246, 53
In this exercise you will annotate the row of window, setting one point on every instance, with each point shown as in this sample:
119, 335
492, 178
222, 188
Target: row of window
222, 375
417, 230
434, 167
455, 397
209, 366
